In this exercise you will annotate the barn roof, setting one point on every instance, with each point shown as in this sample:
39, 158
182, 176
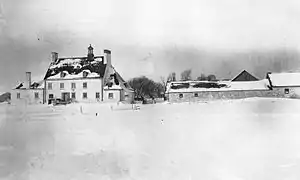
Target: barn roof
244, 76
219, 86
284, 79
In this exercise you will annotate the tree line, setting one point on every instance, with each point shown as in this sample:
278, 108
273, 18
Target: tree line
147, 88
186, 75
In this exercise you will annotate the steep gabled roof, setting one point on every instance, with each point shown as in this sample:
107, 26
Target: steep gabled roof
244, 76
284, 79
73, 66
113, 79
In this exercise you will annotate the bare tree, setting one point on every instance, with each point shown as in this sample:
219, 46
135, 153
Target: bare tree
186, 75
146, 88
164, 84
211, 77
171, 77
202, 77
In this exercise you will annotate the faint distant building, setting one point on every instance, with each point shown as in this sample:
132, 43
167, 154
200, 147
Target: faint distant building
244, 76
31, 93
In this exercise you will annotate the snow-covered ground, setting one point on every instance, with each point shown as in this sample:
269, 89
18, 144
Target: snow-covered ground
238, 140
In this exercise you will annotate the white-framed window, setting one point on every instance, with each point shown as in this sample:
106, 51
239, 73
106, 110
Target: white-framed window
49, 86
62, 85
97, 95
180, 95
51, 96
73, 85
84, 95
286, 91
36, 95
110, 95
18, 95
84, 85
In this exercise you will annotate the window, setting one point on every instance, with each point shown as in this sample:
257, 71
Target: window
73, 96
18, 95
286, 91
97, 95
62, 86
84, 85
62, 74
84, 95
49, 86
51, 96
196, 94
110, 95
73, 85
36, 95
180, 95
85, 74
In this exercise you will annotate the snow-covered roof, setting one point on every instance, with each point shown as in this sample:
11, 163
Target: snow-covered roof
75, 76
284, 79
74, 66
113, 87
227, 86
34, 85
63, 62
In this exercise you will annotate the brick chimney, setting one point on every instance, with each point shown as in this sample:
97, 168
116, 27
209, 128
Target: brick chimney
54, 56
28, 80
107, 57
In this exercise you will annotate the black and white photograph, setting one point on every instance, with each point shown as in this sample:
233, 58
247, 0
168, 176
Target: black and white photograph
149, 90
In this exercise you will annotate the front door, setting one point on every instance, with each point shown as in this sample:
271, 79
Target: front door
65, 96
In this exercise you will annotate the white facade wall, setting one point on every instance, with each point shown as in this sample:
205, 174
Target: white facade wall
27, 96
116, 95
93, 86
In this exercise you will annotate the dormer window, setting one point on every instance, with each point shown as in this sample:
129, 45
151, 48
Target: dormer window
109, 84
85, 74
63, 74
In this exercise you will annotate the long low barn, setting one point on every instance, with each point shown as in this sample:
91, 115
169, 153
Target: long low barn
205, 90
283, 85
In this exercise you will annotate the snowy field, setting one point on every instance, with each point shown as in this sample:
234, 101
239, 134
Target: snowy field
251, 139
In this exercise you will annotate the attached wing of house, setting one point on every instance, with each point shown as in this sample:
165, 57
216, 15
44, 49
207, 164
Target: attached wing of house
113, 79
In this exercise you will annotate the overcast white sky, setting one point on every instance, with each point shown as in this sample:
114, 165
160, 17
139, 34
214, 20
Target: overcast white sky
139, 32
